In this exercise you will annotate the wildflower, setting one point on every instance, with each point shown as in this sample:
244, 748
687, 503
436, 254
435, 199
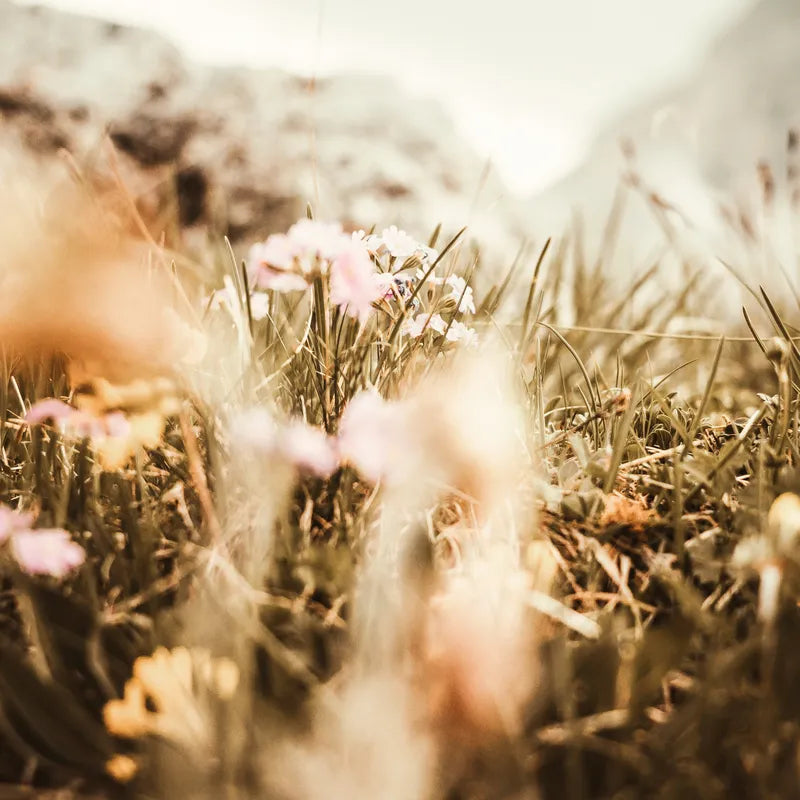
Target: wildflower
286, 262
75, 422
289, 262
317, 240
122, 768
259, 306
270, 265
227, 297
398, 243
461, 294
418, 325
51, 408
369, 435
168, 680
305, 447
385, 282
12, 521
372, 243
46, 551
256, 428
281, 281
353, 286
309, 449
433, 278
459, 332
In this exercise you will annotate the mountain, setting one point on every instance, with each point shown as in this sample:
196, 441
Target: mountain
248, 147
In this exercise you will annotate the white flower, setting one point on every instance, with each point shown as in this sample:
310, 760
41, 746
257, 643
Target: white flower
259, 305
423, 322
459, 332
461, 293
270, 265
433, 278
399, 243
427, 254
385, 283
222, 297
228, 297
254, 428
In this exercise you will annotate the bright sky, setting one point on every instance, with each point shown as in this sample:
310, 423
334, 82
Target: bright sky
528, 82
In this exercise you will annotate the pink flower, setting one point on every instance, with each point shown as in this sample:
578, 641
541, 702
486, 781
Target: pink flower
278, 251
47, 551
51, 408
12, 521
271, 265
305, 447
76, 422
312, 239
353, 285
281, 281
368, 436
309, 449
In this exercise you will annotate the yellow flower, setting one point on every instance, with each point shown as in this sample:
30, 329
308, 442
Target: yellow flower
171, 681
121, 768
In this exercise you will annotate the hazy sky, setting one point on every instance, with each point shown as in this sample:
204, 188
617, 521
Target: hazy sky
527, 81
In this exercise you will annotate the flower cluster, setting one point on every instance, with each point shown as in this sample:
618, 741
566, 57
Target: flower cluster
288, 262
395, 247
361, 271
404, 264
46, 551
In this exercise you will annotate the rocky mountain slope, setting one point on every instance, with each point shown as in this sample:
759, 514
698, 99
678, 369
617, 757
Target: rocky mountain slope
245, 149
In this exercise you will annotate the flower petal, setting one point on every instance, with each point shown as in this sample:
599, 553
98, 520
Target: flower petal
48, 551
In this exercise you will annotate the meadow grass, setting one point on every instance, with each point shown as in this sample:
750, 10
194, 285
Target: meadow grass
305, 632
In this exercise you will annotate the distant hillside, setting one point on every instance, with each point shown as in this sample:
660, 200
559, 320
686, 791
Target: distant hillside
252, 147
698, 147
733, 113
